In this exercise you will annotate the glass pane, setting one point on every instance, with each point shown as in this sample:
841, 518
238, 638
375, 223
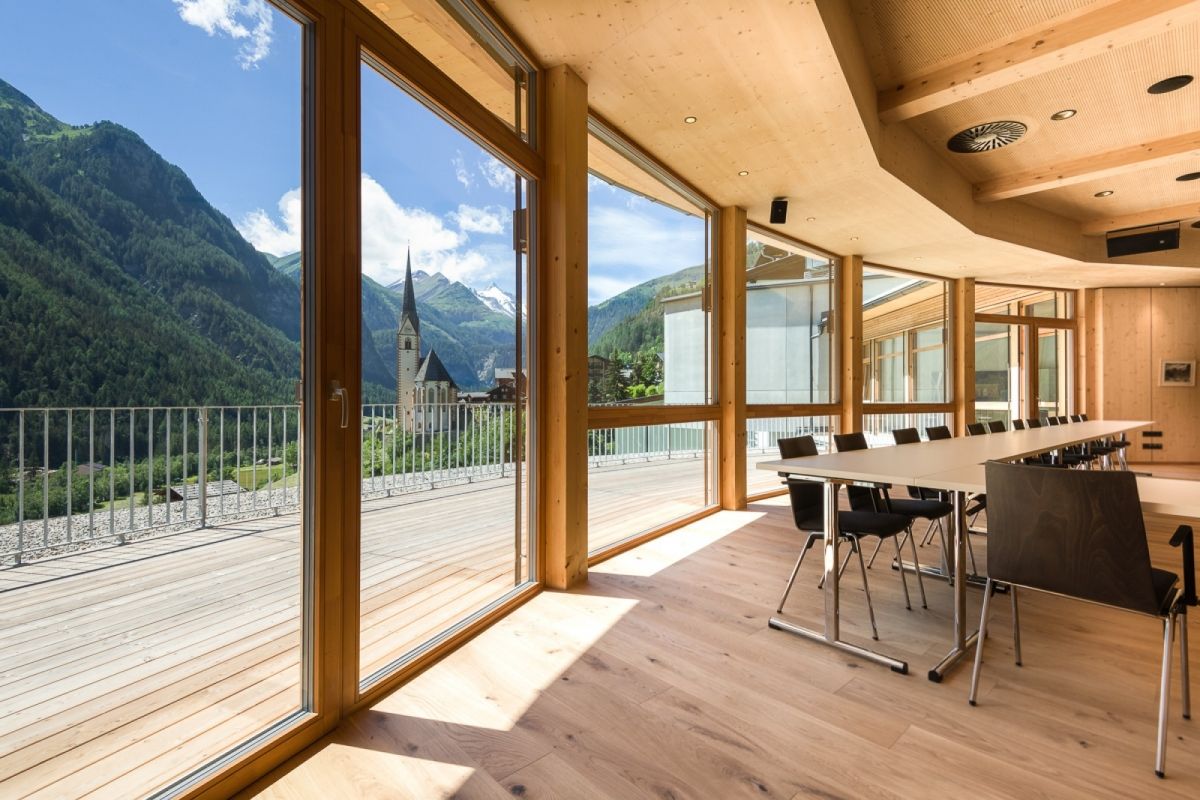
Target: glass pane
789, 294
645, 476
1054, 372
762, 444
444, 509
462, 43
151, 436
878, 427
1022, 300
648, 305
903, 311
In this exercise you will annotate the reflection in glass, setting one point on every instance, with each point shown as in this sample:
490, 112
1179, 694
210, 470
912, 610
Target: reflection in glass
904, 331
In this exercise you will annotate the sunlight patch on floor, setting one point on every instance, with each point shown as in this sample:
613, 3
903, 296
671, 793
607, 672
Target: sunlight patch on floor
651, 558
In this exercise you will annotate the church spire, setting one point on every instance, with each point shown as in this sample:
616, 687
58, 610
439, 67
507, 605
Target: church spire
409, 310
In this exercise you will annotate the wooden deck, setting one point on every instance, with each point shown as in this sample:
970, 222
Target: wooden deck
123, 667
660, 678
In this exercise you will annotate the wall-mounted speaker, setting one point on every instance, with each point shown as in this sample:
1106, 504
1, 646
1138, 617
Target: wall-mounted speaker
778, 211
1147, 240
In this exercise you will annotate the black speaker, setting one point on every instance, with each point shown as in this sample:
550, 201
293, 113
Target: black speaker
1151, 241
778, 211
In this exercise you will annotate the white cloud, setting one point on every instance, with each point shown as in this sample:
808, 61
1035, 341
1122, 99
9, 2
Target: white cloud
269, 236
249, 21
627, 246
388, 231
497, 174
470, 219
461, 173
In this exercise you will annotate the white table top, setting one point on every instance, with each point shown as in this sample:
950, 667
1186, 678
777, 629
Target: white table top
907, 464
957, 464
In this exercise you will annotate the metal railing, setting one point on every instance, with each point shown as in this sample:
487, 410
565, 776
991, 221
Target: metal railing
878, 427
642, 443
69, 476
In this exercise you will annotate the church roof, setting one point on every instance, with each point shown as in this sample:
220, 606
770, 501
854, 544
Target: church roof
433, 371
409, 309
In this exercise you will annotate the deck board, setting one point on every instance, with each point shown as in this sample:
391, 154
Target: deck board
137, 662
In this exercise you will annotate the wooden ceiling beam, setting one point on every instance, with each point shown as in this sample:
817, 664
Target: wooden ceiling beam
1070, 39
1088, 168
1099, 227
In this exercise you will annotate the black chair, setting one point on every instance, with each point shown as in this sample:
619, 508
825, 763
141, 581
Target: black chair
1018, 424
1033, 422
938, 432
1081, 535
1052, 420
808, 512
1063, 420
997, 426
976, 429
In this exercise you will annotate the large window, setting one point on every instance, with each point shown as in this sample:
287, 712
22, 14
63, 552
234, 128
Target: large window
153, 406
789, 297
762, 444
444, 523
649, 342
904, 338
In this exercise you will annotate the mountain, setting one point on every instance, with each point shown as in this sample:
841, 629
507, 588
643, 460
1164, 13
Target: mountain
632, 321
471, 337
120, 284
497, 300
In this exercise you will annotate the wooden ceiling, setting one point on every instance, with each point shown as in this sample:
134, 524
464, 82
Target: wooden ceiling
793, 92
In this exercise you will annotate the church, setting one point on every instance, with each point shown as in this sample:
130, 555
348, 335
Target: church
425, 393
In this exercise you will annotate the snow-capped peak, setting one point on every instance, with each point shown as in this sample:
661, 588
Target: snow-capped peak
497, 300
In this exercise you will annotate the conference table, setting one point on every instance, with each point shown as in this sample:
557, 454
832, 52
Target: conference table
954, 466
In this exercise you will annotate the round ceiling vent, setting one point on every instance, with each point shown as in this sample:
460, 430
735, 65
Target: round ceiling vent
988, 136
1170, 84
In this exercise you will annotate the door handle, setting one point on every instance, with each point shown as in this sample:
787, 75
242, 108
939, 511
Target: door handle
339, 393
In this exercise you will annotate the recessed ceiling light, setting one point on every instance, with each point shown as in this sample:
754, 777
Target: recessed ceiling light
1190, 176
1105, 193
854, 238
988, 136
744, 173
1162, 284
1170, 84
920, 258
1066, 113
811, 219
689, 120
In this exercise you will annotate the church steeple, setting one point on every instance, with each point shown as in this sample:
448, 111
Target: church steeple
409, 309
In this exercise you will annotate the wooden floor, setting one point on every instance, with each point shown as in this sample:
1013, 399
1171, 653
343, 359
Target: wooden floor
661, 679
123, 667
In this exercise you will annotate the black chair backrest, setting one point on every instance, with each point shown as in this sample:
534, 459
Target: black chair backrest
938, 432
906, 436
1033, 423
1074, 532
976, 429
1083, 417
1018, 424
807, 499
1063, 420
861, 497
1052, 420
997, 426
1076, 418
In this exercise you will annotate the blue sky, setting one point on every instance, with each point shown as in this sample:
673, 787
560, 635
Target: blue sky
214, 86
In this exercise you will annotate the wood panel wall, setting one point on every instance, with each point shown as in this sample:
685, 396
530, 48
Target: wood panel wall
1134, 329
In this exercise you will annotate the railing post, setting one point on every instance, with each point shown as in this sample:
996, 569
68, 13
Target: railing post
202, 467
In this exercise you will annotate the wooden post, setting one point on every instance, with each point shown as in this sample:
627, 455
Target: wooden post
1085, 345
731, 351
849, 326
964, 354
562, 333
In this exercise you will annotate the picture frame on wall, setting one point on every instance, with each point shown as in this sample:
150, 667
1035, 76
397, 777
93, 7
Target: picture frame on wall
1176, 372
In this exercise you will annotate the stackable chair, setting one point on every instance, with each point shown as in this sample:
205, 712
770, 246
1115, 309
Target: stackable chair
976, 429
1080, 534
808, 512
938, 432
1018, 424
997, 426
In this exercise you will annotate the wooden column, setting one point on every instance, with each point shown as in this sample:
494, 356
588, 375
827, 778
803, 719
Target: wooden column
562, 334
1085, 352
731, 352
849, 326
964, 354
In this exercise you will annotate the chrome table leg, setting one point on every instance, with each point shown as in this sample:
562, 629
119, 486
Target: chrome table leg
961, 640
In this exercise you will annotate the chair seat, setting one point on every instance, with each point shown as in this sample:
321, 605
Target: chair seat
926, 509
1164, 585
868, 523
